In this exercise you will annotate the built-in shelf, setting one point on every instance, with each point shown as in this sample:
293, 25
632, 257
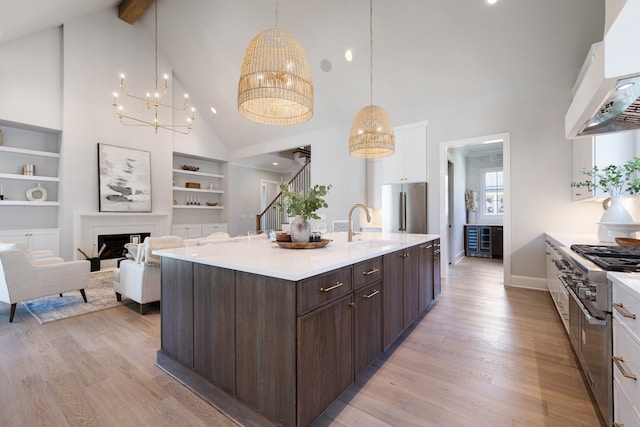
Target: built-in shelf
196, 207
27, 203
28, 152
197, 190
38, 178
193, 173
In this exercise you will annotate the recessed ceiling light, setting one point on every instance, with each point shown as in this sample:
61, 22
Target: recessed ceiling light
348, 55
492, 1
275, 163
214, 111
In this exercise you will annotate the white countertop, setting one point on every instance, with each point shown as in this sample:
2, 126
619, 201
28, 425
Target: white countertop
259, 255
630, 281
564, 239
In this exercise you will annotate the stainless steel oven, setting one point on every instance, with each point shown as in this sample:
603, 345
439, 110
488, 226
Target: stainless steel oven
590, 328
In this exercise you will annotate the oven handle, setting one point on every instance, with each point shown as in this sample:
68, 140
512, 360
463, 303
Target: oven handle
592, 320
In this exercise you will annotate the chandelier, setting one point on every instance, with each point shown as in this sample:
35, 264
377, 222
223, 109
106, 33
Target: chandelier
275, 86
154, 101
371, 132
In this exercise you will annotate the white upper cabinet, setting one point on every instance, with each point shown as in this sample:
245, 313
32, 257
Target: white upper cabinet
409, 163
602, 151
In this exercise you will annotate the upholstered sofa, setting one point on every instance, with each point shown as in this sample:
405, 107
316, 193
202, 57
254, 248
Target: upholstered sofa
24, 277
138, 278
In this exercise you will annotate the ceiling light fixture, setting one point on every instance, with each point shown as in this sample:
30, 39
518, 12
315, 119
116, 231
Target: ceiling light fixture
371, 132
154, 102
275, 86
348, 55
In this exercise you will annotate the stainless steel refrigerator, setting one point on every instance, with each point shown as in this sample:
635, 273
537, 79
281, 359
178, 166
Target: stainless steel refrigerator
404, 208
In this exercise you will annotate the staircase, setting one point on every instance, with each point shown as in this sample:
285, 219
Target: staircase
271, 218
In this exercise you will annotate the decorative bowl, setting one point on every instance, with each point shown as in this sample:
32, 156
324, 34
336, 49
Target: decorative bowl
191, 168
627, 241
212, 203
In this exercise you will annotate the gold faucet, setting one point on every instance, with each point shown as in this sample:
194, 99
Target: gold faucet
350, 230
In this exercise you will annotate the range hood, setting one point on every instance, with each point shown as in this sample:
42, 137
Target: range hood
606, 94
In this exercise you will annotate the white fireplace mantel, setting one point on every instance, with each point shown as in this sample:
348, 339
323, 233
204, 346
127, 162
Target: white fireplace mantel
88, 225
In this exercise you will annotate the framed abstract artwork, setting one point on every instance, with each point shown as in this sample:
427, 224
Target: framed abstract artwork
124, 179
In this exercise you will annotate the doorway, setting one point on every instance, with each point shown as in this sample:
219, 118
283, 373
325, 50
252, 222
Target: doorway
452, 215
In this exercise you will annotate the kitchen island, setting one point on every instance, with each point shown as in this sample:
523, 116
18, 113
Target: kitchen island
272, 336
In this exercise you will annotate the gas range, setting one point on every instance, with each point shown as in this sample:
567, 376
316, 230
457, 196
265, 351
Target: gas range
611, 258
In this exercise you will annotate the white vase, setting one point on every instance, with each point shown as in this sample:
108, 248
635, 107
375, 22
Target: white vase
300, 230
472, 217
615, 213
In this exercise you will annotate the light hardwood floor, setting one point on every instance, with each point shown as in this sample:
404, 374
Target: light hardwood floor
484, 355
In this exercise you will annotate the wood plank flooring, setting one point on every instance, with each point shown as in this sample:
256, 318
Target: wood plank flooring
484, 355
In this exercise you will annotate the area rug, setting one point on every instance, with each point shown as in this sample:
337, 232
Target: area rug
100, 296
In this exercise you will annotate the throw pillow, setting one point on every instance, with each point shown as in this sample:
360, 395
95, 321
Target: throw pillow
8, 246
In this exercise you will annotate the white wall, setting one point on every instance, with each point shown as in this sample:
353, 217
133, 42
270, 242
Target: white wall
245, 201
31, 80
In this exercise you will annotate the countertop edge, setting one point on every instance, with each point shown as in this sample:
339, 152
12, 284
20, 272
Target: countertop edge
255, 254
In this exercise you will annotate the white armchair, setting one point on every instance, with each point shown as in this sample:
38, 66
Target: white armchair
22, 277
139, 278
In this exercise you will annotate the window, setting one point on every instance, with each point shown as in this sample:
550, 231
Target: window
493, 199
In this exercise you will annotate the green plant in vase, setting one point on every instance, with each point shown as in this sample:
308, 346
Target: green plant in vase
616, 181
302, 206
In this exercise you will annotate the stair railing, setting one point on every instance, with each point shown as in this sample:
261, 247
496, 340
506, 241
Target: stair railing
271, 218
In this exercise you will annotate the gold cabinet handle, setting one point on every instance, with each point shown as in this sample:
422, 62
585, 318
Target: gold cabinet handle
619, 361
405, 255
620, 308
371, 295
370, 272
330, 288
351, 304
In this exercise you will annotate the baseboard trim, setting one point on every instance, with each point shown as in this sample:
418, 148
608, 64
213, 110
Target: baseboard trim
528, 282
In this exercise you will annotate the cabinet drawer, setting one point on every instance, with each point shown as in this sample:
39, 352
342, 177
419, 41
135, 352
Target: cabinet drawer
317, 290
624, 413
626, 306
627, 351
367, 272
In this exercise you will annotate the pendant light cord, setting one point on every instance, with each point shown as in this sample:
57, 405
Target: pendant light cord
371, 51
277, 13
156, 44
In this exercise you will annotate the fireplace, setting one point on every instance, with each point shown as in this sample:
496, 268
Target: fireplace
89, 225
114, 243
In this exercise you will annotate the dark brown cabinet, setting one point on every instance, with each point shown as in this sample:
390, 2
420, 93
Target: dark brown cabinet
325, 357
393, 296
425, 275
176, 307
437, 288
285, 350
368, 313
214, 296
401, 292
496, 242
411, 285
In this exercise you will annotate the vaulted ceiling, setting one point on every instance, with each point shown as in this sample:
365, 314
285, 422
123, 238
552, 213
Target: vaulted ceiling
418, 45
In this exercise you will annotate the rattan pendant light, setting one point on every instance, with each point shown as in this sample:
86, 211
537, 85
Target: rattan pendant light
371, 132
275, 86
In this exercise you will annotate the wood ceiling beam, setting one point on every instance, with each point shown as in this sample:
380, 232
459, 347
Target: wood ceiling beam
132, 10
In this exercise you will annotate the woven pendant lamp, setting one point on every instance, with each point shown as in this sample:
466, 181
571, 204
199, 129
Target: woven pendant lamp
371, 132
275, 86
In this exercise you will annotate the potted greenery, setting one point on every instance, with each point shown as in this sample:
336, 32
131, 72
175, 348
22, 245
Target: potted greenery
302, 206
615, 180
